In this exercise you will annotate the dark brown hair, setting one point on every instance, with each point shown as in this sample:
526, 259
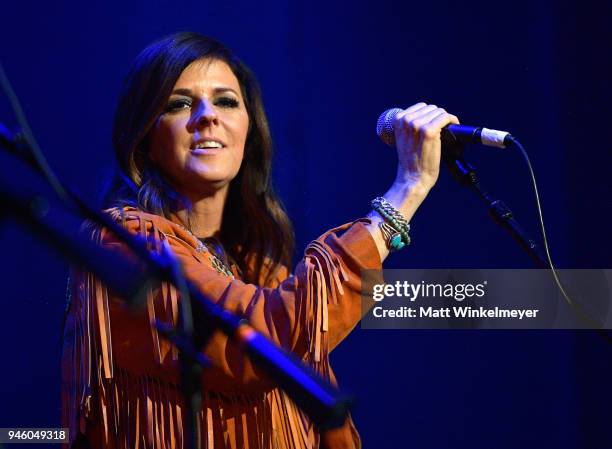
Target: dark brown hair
256, 230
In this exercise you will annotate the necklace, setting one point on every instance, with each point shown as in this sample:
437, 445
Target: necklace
216, 261
217, 255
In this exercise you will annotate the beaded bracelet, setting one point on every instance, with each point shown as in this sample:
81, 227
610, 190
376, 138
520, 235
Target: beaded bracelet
395, 227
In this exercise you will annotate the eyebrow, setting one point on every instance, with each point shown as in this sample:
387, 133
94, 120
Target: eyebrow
216, 90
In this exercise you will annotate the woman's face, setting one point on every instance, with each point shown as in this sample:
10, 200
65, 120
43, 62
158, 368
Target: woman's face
198, 141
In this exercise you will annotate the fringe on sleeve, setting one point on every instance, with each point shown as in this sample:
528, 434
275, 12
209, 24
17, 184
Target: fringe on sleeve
114, 408
321, 278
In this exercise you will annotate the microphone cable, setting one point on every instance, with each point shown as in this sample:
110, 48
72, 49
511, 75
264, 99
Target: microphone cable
573, 304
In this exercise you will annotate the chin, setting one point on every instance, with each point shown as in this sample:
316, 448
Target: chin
209, 184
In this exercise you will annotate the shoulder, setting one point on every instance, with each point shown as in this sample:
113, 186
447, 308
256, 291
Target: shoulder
131, 217
150, 226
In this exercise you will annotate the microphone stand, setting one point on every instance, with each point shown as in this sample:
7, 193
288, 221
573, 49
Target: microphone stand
325, 404
463, 172
190, 361
499, 212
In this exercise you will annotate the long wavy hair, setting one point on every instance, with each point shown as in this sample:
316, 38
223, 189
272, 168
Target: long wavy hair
256, 230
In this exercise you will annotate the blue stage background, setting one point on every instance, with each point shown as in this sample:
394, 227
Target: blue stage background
540, 69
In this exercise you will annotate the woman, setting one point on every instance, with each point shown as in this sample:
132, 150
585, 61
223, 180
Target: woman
194, 151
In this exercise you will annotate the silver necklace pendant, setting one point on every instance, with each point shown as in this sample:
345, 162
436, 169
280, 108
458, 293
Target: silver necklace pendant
220, 266
215, 261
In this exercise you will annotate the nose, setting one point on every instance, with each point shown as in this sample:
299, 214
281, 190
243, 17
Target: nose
206, 114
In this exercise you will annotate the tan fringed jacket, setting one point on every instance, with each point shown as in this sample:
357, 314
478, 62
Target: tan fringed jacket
120, 379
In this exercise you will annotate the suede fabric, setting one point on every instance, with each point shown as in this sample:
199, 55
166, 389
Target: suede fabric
120, 379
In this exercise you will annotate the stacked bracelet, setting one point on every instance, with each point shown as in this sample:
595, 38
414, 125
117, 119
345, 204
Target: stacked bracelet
395, 227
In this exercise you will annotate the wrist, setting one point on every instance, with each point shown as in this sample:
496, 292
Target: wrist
403, 190
418, 184
407, 196
421, 182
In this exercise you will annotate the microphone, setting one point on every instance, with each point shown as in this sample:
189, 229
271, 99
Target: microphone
453, 134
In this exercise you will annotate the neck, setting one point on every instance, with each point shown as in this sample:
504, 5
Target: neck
206, 215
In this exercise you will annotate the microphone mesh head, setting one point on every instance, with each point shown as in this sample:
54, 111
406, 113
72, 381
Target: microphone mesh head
384, 126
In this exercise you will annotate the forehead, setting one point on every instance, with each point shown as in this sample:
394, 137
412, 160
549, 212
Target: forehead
207, 74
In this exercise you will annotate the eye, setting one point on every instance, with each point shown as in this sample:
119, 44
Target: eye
177, 105
226, 102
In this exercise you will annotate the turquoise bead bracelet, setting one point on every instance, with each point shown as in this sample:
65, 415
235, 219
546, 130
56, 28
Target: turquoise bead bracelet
394, 227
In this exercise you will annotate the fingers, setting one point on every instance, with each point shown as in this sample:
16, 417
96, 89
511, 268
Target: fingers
438, 122
424, 120
414, 112
418, 143
414, 108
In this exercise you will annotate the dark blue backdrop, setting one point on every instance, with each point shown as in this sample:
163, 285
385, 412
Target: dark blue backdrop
540, 69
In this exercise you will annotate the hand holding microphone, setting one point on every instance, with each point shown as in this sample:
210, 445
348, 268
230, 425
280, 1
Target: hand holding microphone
415, 132
419, 134
460, 134
416, 135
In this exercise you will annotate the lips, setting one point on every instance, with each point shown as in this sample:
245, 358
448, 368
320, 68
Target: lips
208, 143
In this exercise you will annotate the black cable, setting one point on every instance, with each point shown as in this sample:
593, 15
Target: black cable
518, 145
575, 305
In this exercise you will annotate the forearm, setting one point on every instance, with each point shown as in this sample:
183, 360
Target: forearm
418, 143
